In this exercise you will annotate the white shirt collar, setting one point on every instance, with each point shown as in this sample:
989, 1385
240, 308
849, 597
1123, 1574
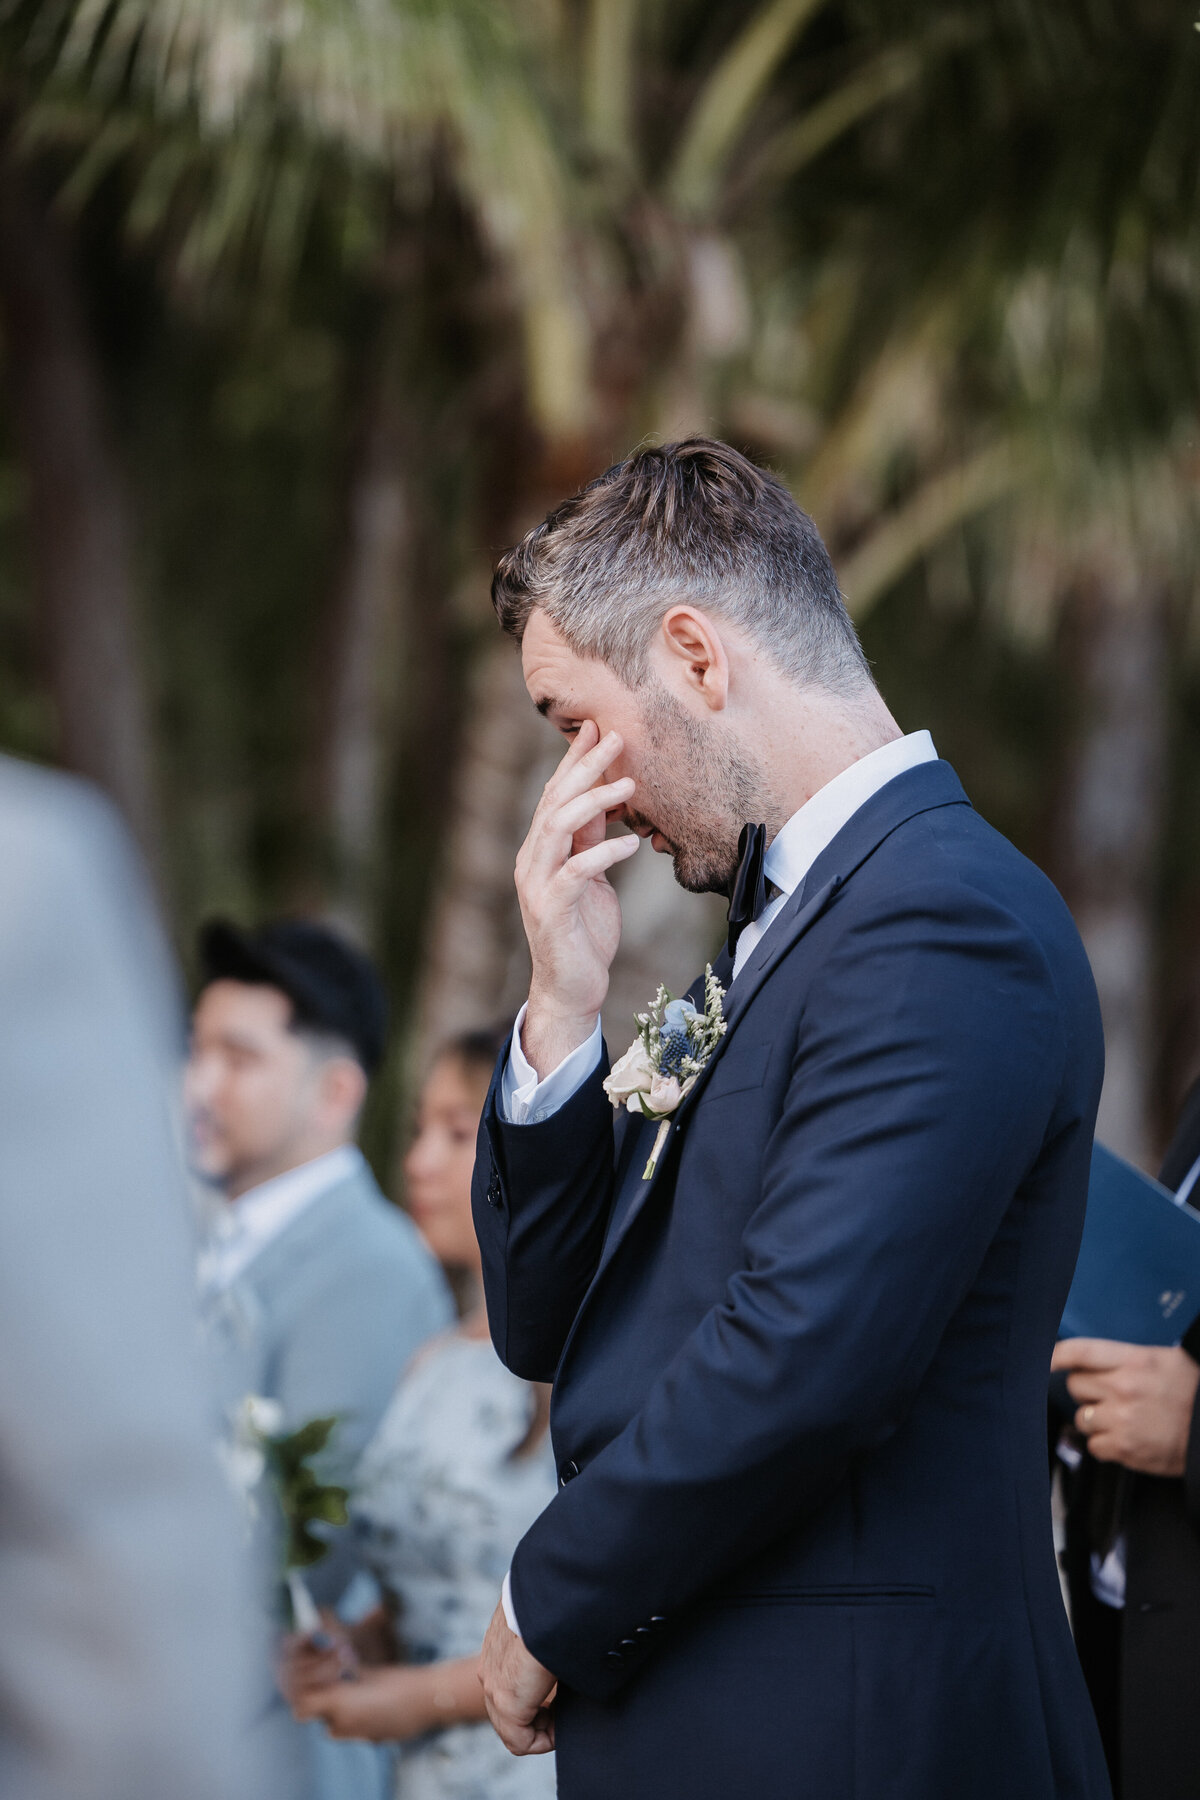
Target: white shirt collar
799, 843
245, 1226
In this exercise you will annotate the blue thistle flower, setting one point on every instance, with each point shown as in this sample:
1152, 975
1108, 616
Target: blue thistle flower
674, 1046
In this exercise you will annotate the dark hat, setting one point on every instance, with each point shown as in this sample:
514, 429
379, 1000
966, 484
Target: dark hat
332, 986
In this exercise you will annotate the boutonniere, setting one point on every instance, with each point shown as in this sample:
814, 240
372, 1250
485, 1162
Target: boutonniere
661, 1066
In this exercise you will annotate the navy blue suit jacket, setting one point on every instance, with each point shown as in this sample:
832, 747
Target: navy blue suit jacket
802, 1544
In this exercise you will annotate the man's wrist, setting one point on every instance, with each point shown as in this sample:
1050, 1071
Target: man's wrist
548, 1037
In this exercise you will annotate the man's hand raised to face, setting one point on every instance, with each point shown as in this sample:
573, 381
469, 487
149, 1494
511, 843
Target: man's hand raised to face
519, 1692
1135, 1402
571, 913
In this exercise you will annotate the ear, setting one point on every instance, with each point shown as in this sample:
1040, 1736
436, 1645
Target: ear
693, 644
343, 1088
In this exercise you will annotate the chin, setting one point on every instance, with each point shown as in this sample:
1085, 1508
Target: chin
702, 878
211, 1167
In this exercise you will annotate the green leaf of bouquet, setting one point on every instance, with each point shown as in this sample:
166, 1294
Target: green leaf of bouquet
310, 1438
330, 1506
304, 1549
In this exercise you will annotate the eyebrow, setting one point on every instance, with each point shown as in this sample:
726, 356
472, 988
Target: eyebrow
549, 704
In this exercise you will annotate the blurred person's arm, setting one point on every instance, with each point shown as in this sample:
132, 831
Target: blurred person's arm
124, 1667
395, 1704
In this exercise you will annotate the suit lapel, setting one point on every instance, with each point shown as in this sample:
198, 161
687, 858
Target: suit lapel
919, 790
790, 926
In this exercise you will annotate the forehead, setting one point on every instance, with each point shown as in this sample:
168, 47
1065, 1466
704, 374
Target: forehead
245, 1008
449, 1088
557, 677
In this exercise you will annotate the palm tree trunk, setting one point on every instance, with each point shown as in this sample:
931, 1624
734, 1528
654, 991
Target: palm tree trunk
477, 969
361, 650
1113, 824
78, 524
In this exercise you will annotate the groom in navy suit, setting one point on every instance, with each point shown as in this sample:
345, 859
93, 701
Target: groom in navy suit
802, 1541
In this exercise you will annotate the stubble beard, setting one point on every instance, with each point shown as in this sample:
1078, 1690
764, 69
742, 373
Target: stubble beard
701, 791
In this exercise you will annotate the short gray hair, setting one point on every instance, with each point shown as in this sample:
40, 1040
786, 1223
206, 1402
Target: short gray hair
693, 521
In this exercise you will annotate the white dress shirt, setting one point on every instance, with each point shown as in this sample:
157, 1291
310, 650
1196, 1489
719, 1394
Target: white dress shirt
245, 1226
524, 1100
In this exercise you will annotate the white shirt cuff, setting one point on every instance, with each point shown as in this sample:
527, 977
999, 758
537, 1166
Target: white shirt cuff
506, 1602
524, 1100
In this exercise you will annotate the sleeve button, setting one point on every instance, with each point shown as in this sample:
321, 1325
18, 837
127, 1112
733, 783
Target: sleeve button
615, 1658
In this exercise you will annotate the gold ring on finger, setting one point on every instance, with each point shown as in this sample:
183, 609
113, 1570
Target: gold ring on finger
1087, 1416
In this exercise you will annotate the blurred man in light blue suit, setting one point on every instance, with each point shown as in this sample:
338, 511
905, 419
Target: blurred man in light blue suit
127, 1660
316, 1290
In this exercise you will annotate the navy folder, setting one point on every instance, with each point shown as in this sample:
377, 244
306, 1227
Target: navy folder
1138, 1275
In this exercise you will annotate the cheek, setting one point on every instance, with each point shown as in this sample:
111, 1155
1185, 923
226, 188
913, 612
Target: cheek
456, 1218
464, 1168
635, 759
255, 1103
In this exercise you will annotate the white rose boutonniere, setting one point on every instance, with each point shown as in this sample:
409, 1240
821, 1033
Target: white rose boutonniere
674, 1042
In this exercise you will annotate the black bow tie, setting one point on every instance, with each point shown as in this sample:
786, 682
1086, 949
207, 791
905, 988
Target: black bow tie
749, 884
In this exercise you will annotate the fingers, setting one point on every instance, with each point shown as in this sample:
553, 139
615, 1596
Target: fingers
318, 1702
552, 836
583, 765
306, 1671
586, 865
1087, 1387
517, 1690
523, 1737
1090, 1353
1090, 1419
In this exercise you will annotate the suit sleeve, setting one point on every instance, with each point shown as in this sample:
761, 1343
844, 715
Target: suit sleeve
125, 1662
928, 1062
541, 1196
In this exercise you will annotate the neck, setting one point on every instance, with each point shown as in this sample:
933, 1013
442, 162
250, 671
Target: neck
812, 737
243, 1180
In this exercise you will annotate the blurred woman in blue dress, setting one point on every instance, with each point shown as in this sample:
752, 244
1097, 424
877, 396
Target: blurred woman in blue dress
457, 1472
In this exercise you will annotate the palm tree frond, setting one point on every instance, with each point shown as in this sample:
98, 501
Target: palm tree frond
728, 97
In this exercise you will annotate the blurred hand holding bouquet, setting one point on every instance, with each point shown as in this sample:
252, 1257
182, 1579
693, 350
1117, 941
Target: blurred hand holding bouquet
258, 1448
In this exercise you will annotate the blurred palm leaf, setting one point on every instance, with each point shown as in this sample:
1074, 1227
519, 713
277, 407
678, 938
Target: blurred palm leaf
241, 107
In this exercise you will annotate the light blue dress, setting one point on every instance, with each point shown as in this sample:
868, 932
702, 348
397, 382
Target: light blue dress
442, 1498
